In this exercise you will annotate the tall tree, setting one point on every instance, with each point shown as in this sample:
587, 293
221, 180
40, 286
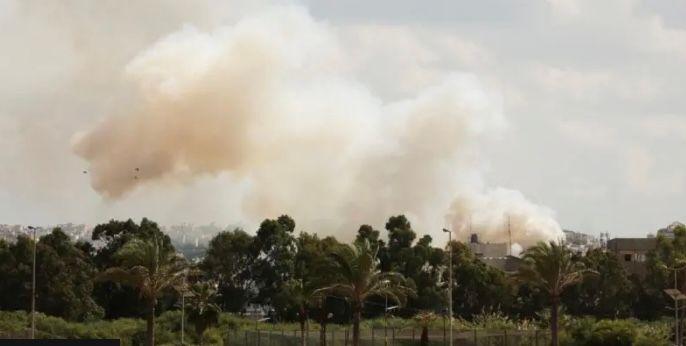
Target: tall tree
368, 233
358, 278
122, 301
424, 268
274, 250
65, 279
551, 267
607, 295
477, 286
15, 269
303, 295
149, 268
669, 252
229, 262
312, 271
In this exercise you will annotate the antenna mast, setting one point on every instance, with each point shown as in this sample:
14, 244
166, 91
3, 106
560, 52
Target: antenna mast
509, 235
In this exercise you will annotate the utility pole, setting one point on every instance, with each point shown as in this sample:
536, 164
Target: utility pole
450, 280
33, 287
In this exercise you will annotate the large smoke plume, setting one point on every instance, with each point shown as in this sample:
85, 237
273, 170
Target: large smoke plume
270, 100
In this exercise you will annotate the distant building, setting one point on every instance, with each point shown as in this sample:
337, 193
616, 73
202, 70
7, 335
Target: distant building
487, 249
580, 242
495, 255
508, 264
632, 253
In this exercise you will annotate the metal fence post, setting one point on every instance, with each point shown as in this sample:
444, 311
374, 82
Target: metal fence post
505, 337
333, 337
475, 337
258, 337
393, 337
346, 337
372, 336
536, 337
412, 333
246, 338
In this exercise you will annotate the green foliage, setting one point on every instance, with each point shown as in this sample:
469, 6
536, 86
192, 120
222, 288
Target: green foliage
608, 294
358, 278
477, 287
212, 336
151, 269
228, 261
274, 251
282, 268
203, 312
14, 324
669, 253
613, 333
64, 277
589, 332
494, 320
120, 300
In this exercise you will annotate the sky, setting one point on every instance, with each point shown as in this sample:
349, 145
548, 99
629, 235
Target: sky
565, 110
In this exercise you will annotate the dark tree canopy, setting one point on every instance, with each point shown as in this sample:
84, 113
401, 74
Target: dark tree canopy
228, 262
281, 267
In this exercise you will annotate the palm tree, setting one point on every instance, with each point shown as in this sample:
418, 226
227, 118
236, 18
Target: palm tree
204, 313
552, 268
304, 296
425, 318
358, 277
149, 270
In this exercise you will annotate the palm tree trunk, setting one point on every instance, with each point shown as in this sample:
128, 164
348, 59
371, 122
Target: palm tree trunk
424, 341
151, 323
322, 329
554, 320
303, 320
357, 316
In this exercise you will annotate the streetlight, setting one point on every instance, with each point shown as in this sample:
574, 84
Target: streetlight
385, 316
450, 282
33, 287
183, 306
675, 294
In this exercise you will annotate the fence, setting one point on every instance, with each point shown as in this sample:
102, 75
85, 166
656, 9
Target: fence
389, 337
368, 337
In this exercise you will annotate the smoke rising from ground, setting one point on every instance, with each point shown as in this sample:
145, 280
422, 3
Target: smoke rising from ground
270, 100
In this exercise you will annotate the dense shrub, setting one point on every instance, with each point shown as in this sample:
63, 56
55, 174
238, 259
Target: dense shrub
613, 333
589, 332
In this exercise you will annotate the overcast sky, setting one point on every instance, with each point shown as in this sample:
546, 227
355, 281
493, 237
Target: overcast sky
592, 91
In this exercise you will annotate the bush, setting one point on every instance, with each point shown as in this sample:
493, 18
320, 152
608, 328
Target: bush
212, 336
589, 332
655, 334
494, 320
613, 333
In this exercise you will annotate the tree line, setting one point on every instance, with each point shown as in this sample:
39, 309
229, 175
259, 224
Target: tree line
134, 271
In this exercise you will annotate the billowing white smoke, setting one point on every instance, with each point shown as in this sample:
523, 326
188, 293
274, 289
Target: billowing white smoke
271, 100
496, 214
